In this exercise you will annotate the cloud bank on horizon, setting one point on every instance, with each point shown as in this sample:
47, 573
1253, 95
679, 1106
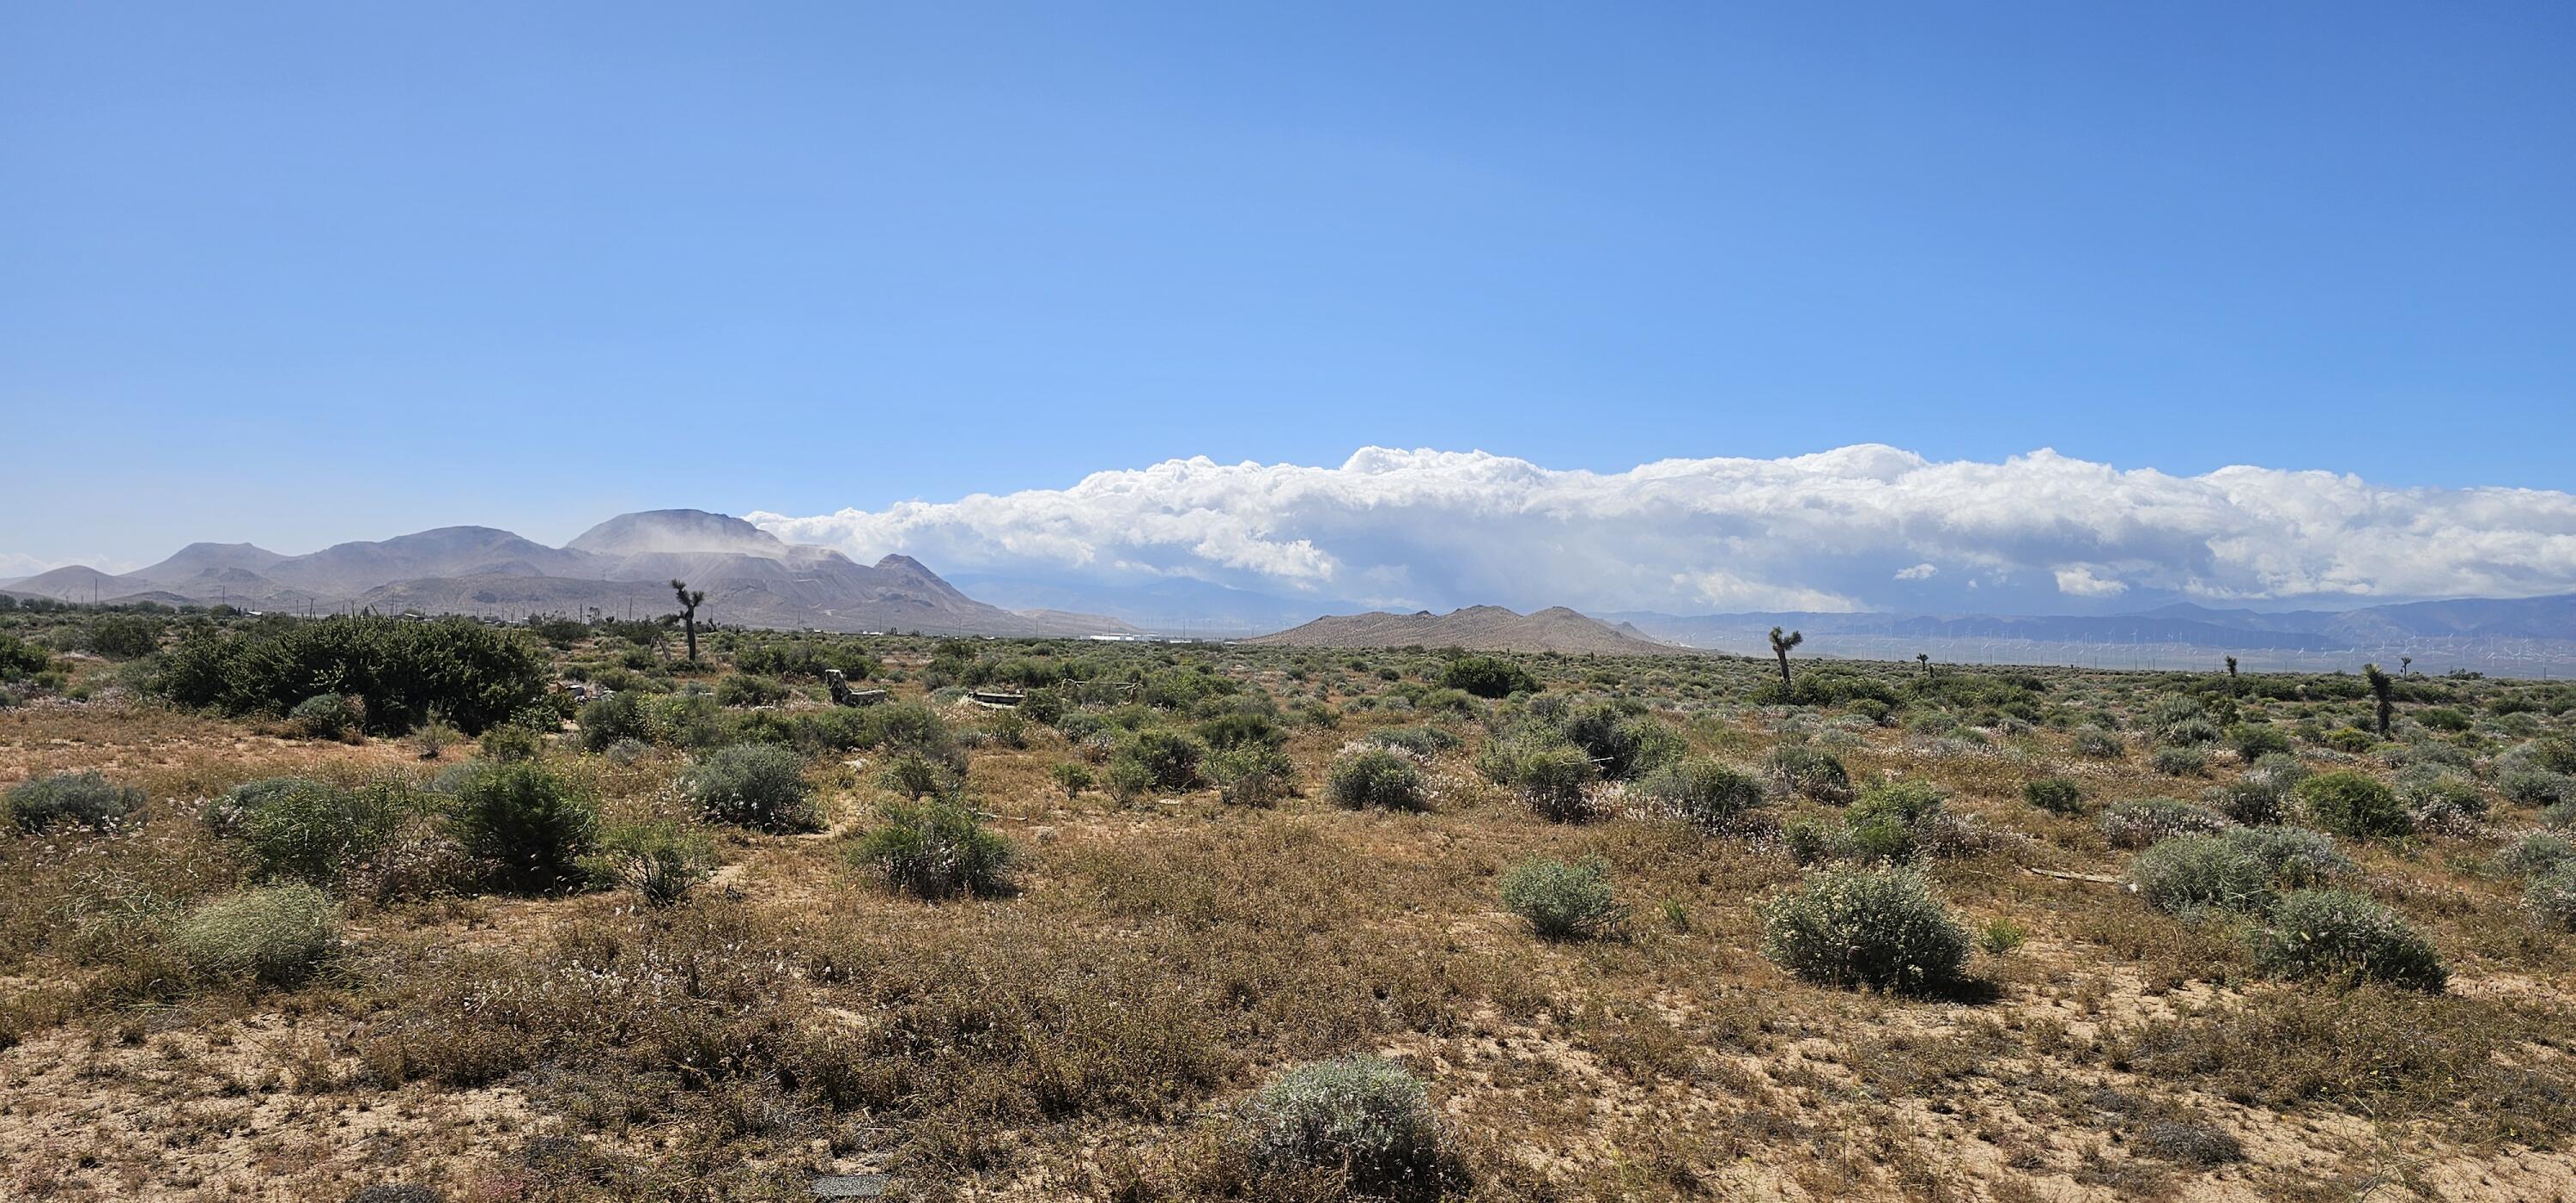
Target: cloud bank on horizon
1860, 527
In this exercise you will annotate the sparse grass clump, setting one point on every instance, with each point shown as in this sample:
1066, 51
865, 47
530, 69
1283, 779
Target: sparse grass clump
71, 799
1811, 771
760, 786
2351, 804
1551, 775
2339, 935
935, 850
1364, 1118
1562, 901
1883, 928
277, 936
1375, 777
661, 861
312, 831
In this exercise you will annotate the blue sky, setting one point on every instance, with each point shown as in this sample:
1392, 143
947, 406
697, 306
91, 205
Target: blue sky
298, 274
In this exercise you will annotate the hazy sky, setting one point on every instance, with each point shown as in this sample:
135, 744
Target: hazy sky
299, 274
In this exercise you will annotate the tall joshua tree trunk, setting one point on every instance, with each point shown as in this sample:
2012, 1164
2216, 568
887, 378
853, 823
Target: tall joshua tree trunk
689, 600
2380, 690
1780, 646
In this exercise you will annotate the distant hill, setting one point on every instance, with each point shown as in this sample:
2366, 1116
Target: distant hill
622, 566
1476, 628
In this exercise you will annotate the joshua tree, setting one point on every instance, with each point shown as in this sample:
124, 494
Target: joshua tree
2406, 666
1924, 661
1780, 645
2380, 688
2231, 666
689, 600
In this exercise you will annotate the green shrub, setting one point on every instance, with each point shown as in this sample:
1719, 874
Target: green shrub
2439, 799
2340, 935
2353, 740
1882, 928
1813, 772
2292, 856
2537, 852
606, 720
79, 799
1375, 777
530, 826
2550, 895
2057, 795
2178, 760
277, 936
311, 831
1562, 901
510, 742
661, 861
402, 670
2351, 804
1708, 795
328, 716
1620, 739
2099, 744
1488, 677
935, 850
760, 786
20, 659
2138, 822
2188, 874
1550, 776
1072, 777
2537, 787
746, 689
1242, 728
1887, 821
1253, 774
123, 636
2254, 801
1169, 760
1363, 1119
2254, 741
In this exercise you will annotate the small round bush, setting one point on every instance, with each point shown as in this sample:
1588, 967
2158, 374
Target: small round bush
2138, 822
2292, 856
2537, 787
531, 826
2351, 804
2057, 795
74, 799
328, 715
2178, 760
2253, 741
1562, 901
2254, 801
2441, 800
2340, 935
620, 715
510, 742
2099, 744
1813, 772
1378, 777
1253, 774
935, 850
2550, 895
1708, 795
760, 786
1169, 759
1882, 928
1365, 1117
2188, 874
277, 936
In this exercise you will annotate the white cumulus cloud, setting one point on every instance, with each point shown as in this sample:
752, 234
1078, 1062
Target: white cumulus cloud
1811, 532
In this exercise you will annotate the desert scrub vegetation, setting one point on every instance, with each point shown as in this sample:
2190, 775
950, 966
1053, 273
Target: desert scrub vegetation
526, 823
935, 849
85, 799
760, 786
662, 861
2351, 804
1883, 928
2342, 936
275, 936
402, 672
1560, 901
1364, 1120
1379, 778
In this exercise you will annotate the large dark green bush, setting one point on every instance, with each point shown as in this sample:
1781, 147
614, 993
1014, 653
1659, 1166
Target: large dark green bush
617, 716
1488, 677
2343, 936
20, 659
123, 636
82, 799
278, 936
761, 786
2351, 804
1364, 1119
1562, 901
1882, 928
529, 825
1167, 759
935, 850
471, 674
1375, 777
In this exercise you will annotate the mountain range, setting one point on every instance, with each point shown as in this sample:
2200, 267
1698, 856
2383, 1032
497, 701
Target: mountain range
1477, 629
621, 567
